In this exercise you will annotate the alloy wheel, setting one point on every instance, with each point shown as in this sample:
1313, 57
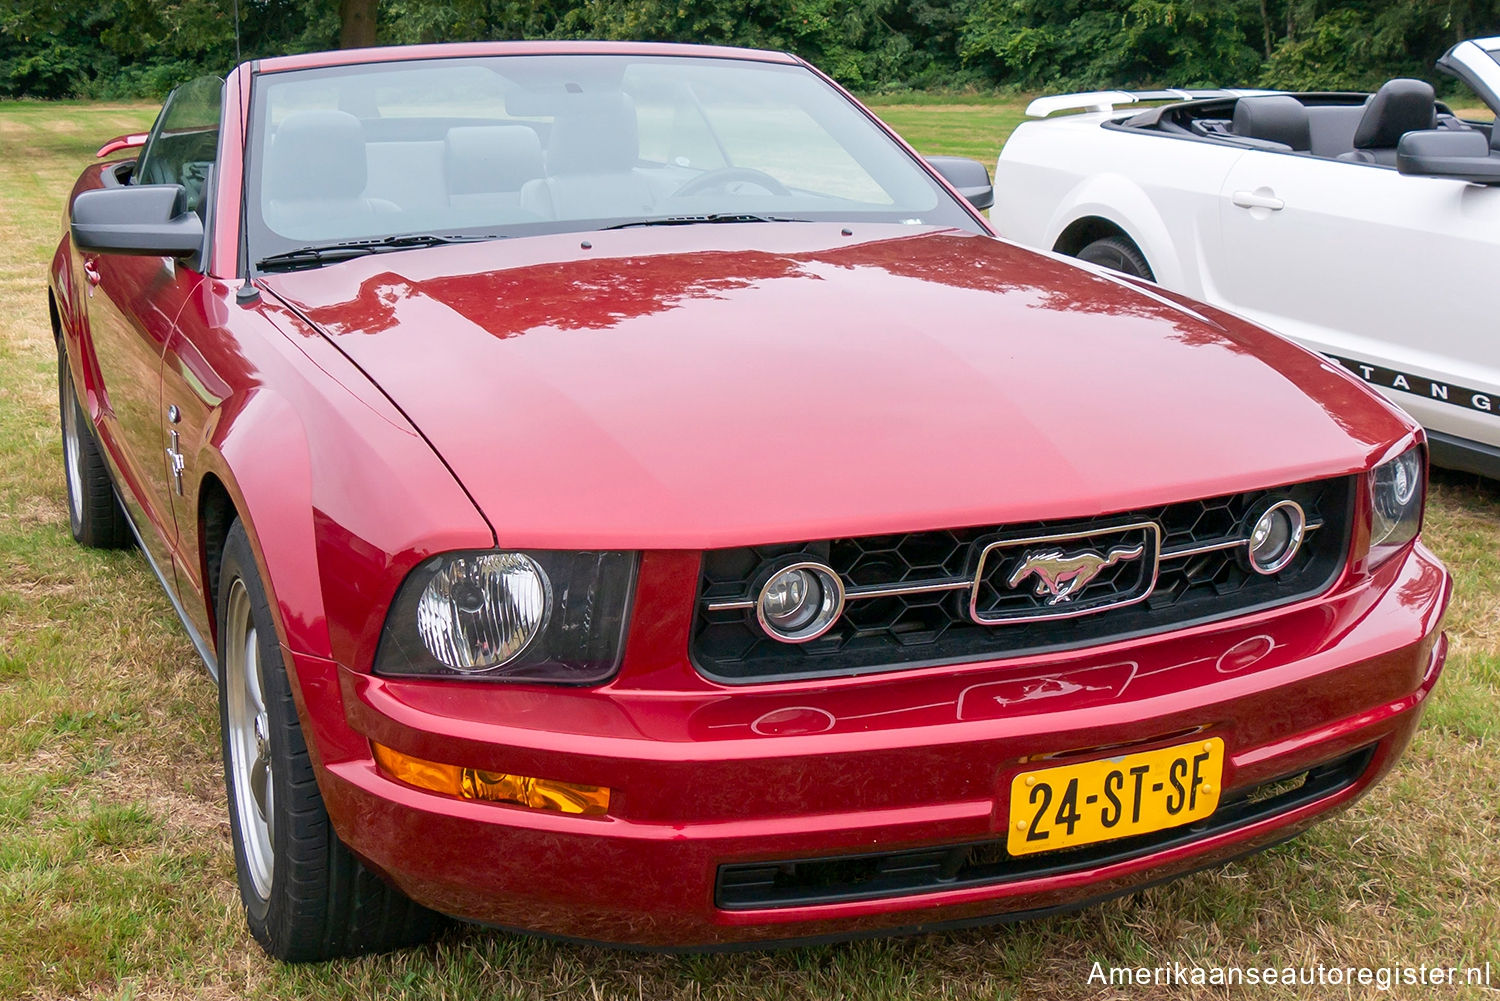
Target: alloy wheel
72, 451
250, 748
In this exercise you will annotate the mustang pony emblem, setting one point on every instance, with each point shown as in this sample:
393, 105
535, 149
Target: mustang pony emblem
1061, 575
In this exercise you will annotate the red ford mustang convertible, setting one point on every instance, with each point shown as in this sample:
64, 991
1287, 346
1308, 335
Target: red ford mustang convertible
624, 493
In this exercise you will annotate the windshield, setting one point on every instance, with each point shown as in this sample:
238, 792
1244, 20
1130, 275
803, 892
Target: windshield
512, 145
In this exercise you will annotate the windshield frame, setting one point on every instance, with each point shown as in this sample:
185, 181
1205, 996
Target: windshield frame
260, 241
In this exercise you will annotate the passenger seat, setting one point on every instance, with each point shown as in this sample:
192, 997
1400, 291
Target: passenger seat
1275, 118
1333, 128
487, 165
1399, 107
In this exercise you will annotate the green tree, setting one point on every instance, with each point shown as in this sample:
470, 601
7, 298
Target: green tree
1357, 46
109, 48
1039, 44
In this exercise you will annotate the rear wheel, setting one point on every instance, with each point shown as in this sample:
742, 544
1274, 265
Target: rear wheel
1118, 254
94, 512
307, 898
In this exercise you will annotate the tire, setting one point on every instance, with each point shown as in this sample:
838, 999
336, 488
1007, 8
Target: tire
94, 512
306, 897
1118, 254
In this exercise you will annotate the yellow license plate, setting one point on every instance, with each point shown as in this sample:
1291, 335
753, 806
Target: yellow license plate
1115, 797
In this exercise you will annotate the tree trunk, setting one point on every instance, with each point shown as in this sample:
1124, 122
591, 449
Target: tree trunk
356, 23
1265, 25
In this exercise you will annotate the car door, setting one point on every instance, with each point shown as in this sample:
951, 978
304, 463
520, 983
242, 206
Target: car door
133, 302
186, 152
1384, 271
201, 358
1057, 177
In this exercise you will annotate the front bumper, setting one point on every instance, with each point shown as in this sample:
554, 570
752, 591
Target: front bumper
712, 777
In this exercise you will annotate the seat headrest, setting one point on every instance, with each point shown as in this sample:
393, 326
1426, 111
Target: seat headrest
597, 138
1398, 107
316, 154
1275, 118
483, 159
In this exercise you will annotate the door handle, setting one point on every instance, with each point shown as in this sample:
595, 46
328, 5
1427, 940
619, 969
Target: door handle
91, 272
1257, 200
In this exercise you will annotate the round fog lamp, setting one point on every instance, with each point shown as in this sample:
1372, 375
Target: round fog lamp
800, 602
1276, 536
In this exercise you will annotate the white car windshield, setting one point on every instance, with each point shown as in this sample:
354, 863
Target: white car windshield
510, 145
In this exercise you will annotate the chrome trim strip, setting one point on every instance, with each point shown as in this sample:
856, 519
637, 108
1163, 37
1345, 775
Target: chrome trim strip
864, 591
1182, 552
1153, 533
966, 583
917, 587
734, 604
210, 661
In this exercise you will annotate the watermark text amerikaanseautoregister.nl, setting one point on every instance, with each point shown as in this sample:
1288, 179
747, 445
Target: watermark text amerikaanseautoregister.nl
1380, 977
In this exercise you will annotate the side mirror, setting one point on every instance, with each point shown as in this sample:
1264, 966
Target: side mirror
151, 220
970, 177
1463, 156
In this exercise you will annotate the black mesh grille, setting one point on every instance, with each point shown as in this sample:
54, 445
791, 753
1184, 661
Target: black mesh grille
936, 627
805, 882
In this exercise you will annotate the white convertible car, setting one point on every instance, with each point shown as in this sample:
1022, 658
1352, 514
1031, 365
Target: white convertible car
1367, 227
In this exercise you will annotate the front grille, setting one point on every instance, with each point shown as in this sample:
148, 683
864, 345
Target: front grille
966, 594
755, 885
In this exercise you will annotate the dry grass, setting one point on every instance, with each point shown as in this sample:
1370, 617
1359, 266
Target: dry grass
116, 879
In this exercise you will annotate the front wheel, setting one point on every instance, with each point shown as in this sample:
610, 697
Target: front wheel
1118, 254
307, 898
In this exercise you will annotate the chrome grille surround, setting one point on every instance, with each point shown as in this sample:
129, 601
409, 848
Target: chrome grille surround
923, 598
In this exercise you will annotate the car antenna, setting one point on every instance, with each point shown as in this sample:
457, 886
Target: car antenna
236, 32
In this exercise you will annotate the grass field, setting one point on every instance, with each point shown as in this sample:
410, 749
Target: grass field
116, 875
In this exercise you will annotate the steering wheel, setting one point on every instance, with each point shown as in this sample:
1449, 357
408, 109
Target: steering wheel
714, 179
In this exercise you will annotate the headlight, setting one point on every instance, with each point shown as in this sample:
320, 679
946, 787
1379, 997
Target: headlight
510, 616
479, 612
1397, 492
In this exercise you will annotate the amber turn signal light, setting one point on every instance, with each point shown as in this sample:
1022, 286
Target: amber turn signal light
493, 787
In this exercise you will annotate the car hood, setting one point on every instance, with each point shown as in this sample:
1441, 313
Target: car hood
702, 386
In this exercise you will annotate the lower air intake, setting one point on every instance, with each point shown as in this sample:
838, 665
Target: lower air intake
760, 885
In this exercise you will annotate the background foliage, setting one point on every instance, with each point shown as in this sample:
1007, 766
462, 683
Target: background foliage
140, 48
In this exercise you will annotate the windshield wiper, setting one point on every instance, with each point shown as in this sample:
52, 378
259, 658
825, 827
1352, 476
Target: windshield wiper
327, 253
693, 220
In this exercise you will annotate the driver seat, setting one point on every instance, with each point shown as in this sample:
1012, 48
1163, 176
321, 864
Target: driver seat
591, 157
316, 172
1400, 106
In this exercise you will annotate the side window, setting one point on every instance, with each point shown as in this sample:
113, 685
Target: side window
185, 139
